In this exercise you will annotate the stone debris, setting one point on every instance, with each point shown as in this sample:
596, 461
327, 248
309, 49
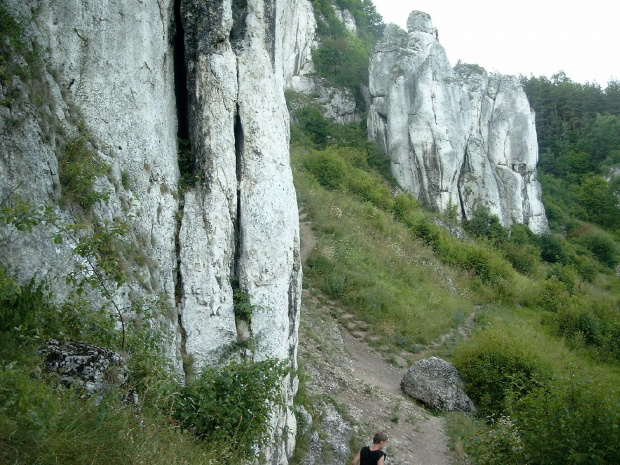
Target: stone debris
92, 369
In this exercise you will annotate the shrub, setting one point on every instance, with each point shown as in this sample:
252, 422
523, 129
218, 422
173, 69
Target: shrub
232, 404
328, 168
568, 421
557, 422
579, 323
370, 188
553, 295
552, 249
483, 224
79, 167
312, 122
602, 247
404, 204
45, 425
524, 258
492, 364
564, 274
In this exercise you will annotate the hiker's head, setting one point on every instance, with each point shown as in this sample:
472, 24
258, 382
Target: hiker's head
379, 438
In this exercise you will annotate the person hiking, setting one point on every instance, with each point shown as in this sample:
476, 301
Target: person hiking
374, 454
437, 34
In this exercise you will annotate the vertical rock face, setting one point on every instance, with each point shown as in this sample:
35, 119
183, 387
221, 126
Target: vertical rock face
238, 226
241, 223
299, 31
113, 60
116, 59
455, 137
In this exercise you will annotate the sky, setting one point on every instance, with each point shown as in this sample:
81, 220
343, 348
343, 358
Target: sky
539, 37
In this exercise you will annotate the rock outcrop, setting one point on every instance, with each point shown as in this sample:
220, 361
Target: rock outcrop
91, 369
455, 137
438, 384
237, 226
300, 38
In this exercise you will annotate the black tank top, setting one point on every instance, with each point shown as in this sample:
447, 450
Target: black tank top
370, 457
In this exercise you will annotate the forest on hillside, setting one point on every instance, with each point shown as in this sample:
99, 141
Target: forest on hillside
578, 127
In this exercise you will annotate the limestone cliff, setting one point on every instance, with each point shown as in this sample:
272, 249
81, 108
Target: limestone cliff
456, 137
300, 39
111, 66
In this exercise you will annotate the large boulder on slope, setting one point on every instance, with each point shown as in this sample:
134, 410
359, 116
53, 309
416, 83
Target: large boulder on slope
438, 384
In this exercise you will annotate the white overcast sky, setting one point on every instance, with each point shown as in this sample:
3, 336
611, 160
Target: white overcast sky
539, 37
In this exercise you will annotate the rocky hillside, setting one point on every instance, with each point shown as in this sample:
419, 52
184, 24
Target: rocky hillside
144, 158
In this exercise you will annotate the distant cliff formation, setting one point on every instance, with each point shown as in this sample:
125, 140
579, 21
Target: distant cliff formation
456, 137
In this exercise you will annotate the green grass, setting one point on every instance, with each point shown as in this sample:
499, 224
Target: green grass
546, 309
375, 266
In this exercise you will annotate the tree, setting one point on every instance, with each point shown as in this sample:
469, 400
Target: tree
601, 205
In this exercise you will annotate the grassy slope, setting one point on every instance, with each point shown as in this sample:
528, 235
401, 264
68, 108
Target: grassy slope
375, 264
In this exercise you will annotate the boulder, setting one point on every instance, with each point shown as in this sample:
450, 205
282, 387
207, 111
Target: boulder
93, 369
438, 384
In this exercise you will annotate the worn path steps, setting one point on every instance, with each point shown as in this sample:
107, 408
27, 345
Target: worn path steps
340, 365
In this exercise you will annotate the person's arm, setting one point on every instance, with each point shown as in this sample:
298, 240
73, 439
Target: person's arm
381, 461
356, 459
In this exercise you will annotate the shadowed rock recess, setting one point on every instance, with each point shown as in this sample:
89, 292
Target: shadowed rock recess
456, 137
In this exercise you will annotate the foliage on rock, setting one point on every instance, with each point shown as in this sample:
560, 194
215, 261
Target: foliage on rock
232, 404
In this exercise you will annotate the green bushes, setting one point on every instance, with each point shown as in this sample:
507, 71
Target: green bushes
567, 421
79, 167
44, 425
483, 224
602, 247
492, 366
552, 249
327, 167
347, 169
583, 318
342, 58
524, 258
311, 124
231, 405
562, 421
482, 262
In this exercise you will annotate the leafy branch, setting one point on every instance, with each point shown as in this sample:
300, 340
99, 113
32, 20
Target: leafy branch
100, 265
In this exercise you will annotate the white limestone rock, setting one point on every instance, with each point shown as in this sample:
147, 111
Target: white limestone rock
298, 39
115, 61
455, 137
346, 18
241, 221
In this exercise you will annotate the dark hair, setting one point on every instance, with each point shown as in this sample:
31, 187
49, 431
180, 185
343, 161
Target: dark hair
379, 437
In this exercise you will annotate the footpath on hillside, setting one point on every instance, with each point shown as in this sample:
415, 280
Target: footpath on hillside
358, 390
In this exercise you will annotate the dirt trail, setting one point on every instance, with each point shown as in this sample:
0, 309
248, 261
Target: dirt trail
340, 365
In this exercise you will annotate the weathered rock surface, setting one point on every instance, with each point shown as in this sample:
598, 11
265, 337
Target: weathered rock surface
114, 60
438, 384
95, 370
455, 137
299, 29
298, 41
